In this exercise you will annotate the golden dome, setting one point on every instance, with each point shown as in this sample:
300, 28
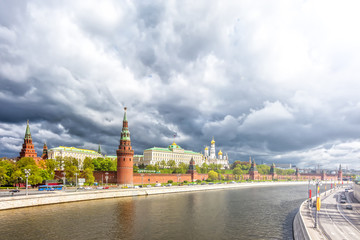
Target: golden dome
220, 152
213, 141
174, 144
206, 148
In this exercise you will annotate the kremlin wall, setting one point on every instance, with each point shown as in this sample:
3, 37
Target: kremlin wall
125, 162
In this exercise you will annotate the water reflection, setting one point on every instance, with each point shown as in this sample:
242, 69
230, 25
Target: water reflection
252, 213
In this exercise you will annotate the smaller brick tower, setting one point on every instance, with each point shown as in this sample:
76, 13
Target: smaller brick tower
297, 173
192, 169
125, 156
45, 152
272, 171
253, 172
28, 149
340, 176
323, 175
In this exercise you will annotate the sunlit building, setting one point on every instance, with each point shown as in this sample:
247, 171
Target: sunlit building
77, 153
174, 152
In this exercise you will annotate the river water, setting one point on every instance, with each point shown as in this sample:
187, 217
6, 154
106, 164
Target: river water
248, 213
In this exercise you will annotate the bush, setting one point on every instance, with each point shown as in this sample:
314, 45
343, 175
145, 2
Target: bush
198, 181
185, 181
170, 181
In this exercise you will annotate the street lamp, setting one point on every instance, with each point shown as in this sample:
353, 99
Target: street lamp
142, 177
27, 174
317, 183
76, 182
106, 177
178, 176
64, 179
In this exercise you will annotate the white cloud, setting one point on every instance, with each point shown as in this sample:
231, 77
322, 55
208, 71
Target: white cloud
269, 78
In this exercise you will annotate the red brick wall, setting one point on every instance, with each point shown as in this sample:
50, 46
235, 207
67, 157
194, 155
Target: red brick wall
146, 178
163, 178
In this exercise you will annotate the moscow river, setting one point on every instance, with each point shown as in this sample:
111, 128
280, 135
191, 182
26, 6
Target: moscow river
244, 213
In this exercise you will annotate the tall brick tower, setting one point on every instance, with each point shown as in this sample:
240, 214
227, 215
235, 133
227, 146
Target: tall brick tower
45, 152
125, 156
253, 172
272, 171
28, 149
192, 169
340, 174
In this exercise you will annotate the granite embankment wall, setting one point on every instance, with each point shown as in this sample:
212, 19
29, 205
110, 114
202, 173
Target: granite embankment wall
63, 197
301, 223
356, 189
299, 229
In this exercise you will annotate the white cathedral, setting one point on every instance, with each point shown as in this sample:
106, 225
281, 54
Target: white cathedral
211, 158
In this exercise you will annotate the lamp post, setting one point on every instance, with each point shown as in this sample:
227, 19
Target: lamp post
142, 177
76, 182
317, 183
106, 177
27, 174
178, 175
64, 179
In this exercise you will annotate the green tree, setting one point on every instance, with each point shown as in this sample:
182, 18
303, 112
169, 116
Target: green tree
51, 165
60, 162
3, 176
171, 163
35, 172
150, 167
184, 167
204, 168
135, 168
238, 172
163, 164
263, 169
234, 164
212, 175
96, 163
106, 165
70, 172
88, 163
8, 168
88, 175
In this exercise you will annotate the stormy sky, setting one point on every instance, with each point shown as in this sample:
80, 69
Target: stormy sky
276, 80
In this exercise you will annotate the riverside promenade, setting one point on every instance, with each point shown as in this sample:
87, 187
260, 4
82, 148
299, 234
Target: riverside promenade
12, 202
335, 221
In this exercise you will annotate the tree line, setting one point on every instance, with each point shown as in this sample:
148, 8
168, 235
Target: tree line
12, 173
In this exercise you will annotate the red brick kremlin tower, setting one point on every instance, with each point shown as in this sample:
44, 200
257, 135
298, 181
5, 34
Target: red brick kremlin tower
45, 152
340, 173
125, 156
28, 149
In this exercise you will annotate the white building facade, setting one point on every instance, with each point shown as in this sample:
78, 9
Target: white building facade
77, 153
174, 152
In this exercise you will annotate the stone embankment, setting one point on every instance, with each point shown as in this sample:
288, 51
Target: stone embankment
303, 224
356, 188
63, 197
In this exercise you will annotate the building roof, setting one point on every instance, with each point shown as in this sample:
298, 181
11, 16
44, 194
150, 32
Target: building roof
168, 150
27, 132
73, 149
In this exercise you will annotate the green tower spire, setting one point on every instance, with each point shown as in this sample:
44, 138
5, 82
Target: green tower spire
125, 134
99, 149
125, 118
27, 132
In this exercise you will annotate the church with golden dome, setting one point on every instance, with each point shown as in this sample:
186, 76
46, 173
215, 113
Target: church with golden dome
222, 159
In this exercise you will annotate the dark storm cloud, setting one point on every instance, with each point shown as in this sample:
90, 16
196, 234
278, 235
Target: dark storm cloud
268, 80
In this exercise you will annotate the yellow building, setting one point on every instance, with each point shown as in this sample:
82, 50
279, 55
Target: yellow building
77, 153
174, 152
